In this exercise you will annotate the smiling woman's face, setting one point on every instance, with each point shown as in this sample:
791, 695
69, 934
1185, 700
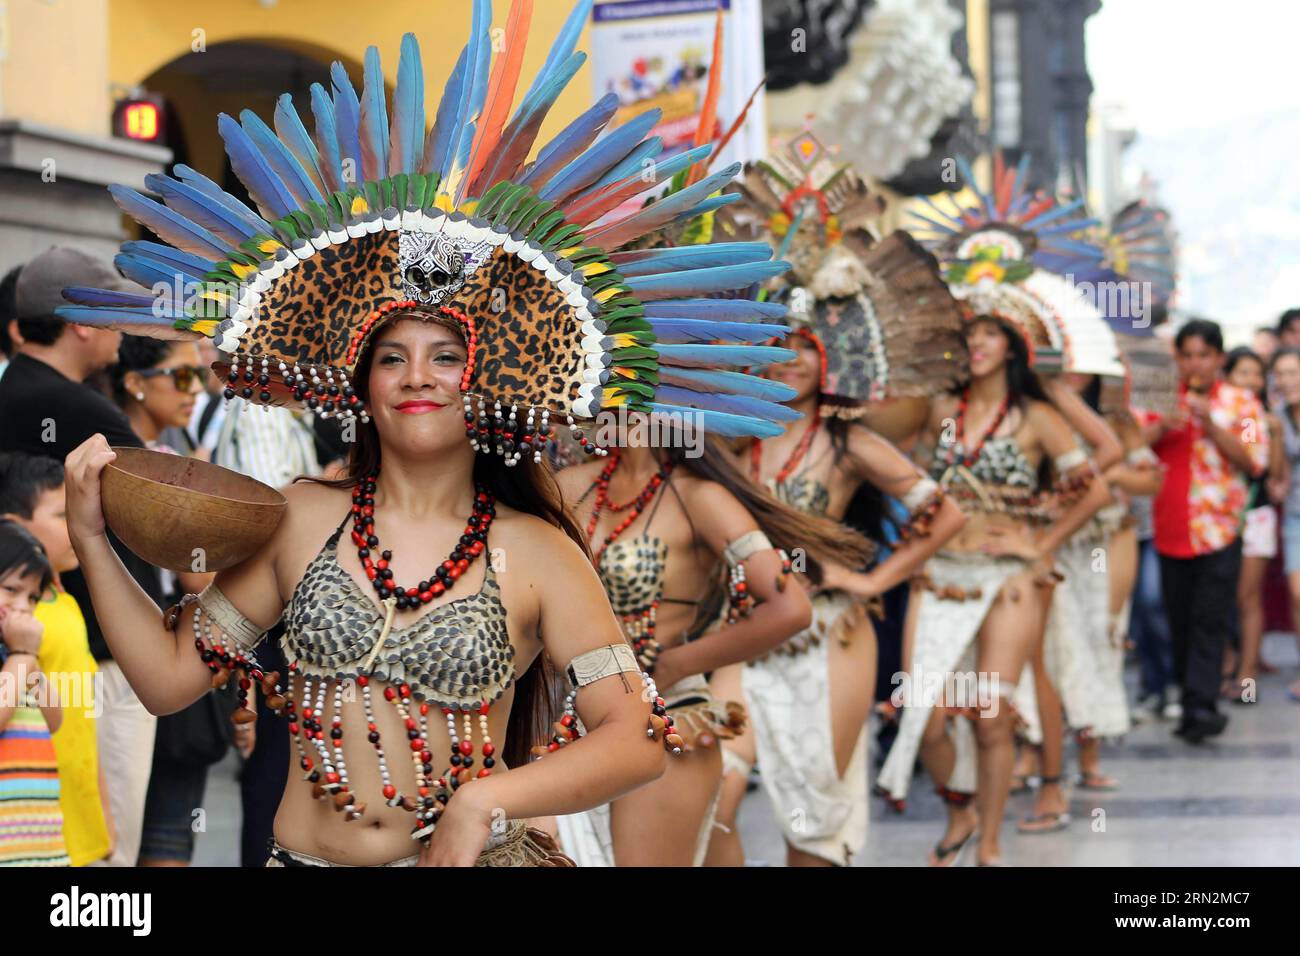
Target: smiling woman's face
414, 386
988, 347
803, 372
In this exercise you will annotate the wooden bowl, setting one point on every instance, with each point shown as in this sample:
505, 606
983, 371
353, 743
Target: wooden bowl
184, 514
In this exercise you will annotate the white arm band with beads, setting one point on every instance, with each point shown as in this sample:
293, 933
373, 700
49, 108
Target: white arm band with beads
1069, 461
919, 494
591, 666
745, 546
228, 618
1142, 457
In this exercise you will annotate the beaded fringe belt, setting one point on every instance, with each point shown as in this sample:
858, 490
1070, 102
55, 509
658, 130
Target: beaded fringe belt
521, 846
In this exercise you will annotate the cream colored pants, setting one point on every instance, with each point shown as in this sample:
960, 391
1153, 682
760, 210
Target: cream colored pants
125, 735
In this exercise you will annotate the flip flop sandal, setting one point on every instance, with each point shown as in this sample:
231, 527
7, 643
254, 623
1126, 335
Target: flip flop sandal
1096, 781
1022, 783
954, 850
1050, 822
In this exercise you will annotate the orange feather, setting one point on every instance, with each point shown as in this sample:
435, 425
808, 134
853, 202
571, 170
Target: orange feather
727, 137
501, 87
709, 109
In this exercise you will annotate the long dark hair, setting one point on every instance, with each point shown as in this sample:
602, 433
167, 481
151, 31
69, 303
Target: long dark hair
866, 512
789, 529
820, 538
527, 488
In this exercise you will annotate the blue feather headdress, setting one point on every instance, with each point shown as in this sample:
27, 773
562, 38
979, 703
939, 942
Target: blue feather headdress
1025, 228
374, 212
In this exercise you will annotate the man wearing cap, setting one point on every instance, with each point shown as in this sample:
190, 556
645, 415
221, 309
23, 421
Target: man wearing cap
45, 409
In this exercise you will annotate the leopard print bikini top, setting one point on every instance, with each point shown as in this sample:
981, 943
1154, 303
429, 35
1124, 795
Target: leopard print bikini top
457, 655
803, 490
632, 569
1004, 480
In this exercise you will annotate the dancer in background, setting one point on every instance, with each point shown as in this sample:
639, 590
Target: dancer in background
660, 525
876, 322
1008, 457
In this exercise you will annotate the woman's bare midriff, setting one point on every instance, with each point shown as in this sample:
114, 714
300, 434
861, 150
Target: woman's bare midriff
383, 833
983, 528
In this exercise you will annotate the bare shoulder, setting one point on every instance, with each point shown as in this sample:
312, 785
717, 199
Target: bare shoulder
1042, 413
941, 407
543, 547
313, 511
310, 501
576, 479
702, 497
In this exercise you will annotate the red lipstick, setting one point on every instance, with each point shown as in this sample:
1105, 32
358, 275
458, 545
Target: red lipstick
419, 406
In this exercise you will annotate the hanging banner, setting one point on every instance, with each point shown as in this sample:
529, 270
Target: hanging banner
657, 53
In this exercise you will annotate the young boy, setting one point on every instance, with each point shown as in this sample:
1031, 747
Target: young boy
32, 496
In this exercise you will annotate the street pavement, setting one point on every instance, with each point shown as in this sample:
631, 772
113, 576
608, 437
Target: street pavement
1233, 801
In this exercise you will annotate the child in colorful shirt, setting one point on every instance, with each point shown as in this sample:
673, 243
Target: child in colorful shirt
31, 823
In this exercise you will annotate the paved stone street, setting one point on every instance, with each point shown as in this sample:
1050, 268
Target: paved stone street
1234, 801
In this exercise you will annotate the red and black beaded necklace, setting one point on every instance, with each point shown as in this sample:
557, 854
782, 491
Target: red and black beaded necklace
445, 575
973, 456
637, 504
796, 456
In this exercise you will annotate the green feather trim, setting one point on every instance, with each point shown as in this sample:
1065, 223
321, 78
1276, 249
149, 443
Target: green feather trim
302, 222
319, 216
640, 389
630, 353
548, 222
416, 191
524, 213
603, 281
340, 202
400, 187
620, 302
287, 226
647, 370
611, 315
517, 195
629, 326
487, 205
251, 255
562, 238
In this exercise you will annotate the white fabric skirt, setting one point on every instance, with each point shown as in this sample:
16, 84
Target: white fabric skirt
944, 645
1083, 651
787, 696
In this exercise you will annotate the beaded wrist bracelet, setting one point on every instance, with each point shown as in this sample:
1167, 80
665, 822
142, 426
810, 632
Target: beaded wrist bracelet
923, 501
